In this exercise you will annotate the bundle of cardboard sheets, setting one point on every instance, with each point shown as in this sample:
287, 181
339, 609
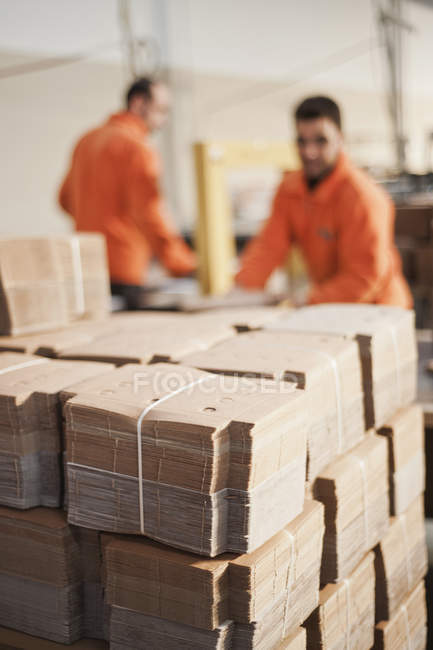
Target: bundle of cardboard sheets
216, 471
354, 491
85, 273
40, 581
132, 631
401, 560
95, 611
259, 598
63, 278
345, 616
128, 337
387, 345
31, 426
408, 626
156, 580
405, 435
149, 340
328, 368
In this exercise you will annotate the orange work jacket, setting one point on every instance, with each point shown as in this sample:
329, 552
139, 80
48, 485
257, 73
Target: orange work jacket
345, 229
112, 187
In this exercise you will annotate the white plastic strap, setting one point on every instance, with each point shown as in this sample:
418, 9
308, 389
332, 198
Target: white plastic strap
409, 575
346, 583
334, 366
143, 414
78, 274
25, 364
397, 363
290, 572
361, 463
407, 626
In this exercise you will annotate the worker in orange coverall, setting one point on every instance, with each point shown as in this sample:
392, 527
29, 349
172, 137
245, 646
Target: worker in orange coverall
340, 219
112, 187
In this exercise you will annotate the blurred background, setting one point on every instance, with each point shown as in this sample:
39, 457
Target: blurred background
236, 71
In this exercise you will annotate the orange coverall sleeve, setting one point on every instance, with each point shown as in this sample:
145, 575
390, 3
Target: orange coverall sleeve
150, 215
363, 257
269, 248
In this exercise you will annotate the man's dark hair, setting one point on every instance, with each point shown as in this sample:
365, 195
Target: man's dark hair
314, 107
142, 87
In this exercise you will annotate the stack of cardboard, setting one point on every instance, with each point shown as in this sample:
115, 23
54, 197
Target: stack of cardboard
345, 616
58, 342
40, 588
414, 239
84, 269
63, 278
166, 451
327, 368
295, 641
401, 560
132, 631
287, 565
144, 340
408, 627
95, 612
259, 598
32, 295
387, 345
354, 490
30, 426
405, 435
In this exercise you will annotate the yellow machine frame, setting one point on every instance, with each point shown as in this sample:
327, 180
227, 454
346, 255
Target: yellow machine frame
215, 240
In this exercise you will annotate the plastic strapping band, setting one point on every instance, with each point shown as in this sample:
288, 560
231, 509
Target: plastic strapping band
78, 274
143, 414
25, 364
348, 617
334, 367
407, 626
361, 463
290, 573
402, 521
397, 363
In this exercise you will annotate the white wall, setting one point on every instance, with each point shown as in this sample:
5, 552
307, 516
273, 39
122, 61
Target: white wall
237, 70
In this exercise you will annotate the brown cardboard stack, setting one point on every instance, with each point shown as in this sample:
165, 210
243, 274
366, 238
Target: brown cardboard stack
244, 319
83, 333
259, 574
327, 368
387, 345
219, 472
345, 616
40, 582
13, 640
126, 338
414, 239
408, 627
354, 491
95, 614
260, 598
144, 341
32, 295
296, 641
132, 631
63, 278
401, 560
30, 426
405, 435
83, 263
